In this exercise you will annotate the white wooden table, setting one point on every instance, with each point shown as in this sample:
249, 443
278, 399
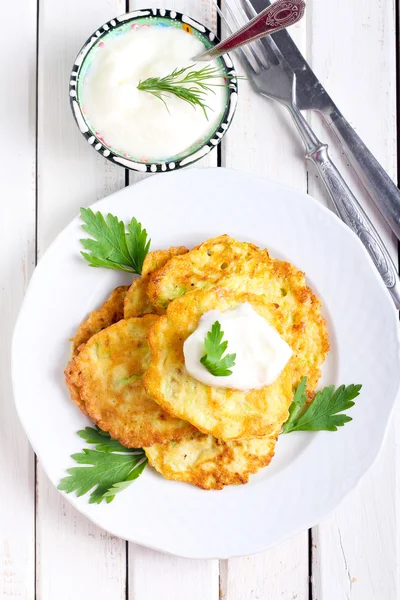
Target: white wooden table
47, 171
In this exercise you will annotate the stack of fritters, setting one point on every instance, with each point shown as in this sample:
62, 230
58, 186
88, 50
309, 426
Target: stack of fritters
128, 371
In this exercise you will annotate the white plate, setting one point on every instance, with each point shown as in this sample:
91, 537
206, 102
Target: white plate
310, 473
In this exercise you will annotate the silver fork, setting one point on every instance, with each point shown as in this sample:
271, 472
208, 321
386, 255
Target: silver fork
272, 77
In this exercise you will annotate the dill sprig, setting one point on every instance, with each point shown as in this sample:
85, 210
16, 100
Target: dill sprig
187, 84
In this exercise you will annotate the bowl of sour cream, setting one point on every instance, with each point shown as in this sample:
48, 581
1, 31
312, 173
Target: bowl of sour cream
137, 129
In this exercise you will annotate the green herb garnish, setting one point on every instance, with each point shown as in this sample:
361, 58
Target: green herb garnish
322, 413
215, 348
188, 85
113, 247
110, 468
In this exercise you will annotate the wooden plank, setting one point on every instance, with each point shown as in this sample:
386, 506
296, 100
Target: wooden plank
281, 572
262, 140
152, 574
17, 248
354, 551
75, 559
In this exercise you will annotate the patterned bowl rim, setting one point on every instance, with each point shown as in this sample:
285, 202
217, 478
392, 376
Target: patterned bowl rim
151, 167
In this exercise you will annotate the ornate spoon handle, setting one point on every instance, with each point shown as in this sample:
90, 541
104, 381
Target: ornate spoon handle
278, 16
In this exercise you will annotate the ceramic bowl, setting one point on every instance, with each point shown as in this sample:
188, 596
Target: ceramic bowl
117, 26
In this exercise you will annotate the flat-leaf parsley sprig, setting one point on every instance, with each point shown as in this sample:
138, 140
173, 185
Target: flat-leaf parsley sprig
109, 469
322, 413
215, 348
187, 84
113, 247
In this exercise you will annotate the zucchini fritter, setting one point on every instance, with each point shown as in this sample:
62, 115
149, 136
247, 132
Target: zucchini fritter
111, 312
129, 376
108, 375
211, 464
204, 267
225, 413
137, 302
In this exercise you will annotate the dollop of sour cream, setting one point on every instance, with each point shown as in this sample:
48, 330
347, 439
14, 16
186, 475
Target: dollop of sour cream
261, 353
135, 122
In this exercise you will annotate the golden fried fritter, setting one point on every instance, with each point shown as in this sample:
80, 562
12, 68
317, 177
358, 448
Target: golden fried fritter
111, 312
225, 413
137, 303
132, 301
159, 258
108, 374
252, 271
209, 463
204, 267
72, 380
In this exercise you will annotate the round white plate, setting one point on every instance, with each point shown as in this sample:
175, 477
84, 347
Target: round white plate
311, 472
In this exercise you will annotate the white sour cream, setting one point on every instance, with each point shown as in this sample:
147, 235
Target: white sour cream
134, 122
261, 353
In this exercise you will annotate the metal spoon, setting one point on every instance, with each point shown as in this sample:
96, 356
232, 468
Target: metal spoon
278, 16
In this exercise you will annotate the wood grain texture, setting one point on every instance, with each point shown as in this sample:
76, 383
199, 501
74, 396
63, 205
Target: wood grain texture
281, 572
17, 251
351, 46
75, 559
354, 550
262, 140
153, 575
70, 173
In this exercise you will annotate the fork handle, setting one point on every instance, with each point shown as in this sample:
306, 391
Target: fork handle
347, 206
381, 188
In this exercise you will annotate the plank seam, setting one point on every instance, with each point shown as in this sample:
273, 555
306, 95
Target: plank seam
397, 62
310, 562
37, 134
35, 469
126, 570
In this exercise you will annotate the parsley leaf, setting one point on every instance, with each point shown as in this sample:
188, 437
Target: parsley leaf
109, 469
322, 413
113, 247
138, 244
296, 407
215, 348
102, 440
122, 485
